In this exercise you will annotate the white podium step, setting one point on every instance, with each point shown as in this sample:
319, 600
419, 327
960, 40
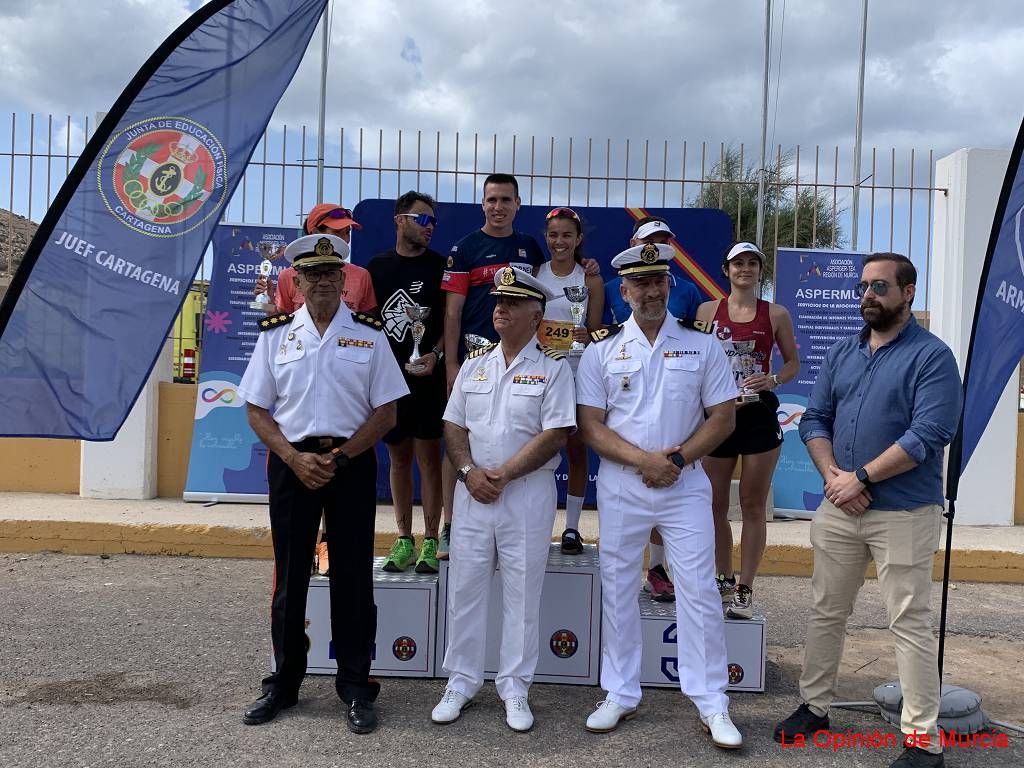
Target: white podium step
570, 620
744, 642
412, 628
406, 624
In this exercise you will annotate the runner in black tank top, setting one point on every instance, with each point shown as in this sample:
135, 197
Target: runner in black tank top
748, 329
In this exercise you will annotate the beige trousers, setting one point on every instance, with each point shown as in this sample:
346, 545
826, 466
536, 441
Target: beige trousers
902, 543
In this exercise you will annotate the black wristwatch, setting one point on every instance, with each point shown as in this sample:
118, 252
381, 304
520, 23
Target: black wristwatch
678, 459
862, 476
438, 353
463, 472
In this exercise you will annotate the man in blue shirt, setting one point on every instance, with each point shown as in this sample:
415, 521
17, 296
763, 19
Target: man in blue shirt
683, 298
885, 405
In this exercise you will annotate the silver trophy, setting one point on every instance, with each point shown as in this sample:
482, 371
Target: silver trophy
577, 296
745, 365
267, 250
475, 341
417, 314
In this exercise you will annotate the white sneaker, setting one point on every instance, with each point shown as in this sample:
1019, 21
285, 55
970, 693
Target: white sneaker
723, 732
607, 716
450, 706
518, 714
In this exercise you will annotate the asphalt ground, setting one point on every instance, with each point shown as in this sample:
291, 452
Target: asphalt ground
150, 661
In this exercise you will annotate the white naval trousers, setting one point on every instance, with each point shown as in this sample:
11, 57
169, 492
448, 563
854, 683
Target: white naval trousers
628, 510
514, 533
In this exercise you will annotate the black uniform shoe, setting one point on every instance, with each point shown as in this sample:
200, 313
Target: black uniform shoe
572, 542
361, 716
915, 757
803, 722
266, 707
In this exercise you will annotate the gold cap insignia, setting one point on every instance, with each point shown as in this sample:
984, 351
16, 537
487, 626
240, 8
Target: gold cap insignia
508, 276
649, 253
324, 247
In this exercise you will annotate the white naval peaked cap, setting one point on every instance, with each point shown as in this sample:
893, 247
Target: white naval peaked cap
520, 284
644, 260
311, 250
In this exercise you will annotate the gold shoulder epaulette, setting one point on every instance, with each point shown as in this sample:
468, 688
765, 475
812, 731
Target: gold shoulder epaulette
481, 352
554, 354
275, 321
603, 333
701, 326
373, 322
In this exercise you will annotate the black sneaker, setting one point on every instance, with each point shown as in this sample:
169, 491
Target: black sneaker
915, 757
803, 722
572, 542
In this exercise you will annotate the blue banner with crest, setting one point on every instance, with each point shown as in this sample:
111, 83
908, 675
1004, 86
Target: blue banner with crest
111, 263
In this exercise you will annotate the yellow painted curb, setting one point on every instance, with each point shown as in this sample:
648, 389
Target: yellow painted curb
90, 538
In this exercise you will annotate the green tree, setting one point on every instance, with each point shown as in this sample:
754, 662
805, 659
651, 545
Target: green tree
732, 186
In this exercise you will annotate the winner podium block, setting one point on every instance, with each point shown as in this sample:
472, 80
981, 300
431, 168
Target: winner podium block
406, 624
570, 620
744, 641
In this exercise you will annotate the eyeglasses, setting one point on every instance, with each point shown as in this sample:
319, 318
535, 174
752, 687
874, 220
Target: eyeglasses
565, 213
313, 276
878, 287
422, 219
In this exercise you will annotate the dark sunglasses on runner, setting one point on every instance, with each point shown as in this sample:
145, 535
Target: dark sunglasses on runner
878, 287
422, 219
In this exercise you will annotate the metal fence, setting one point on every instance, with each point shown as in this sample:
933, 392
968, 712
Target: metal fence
897, 193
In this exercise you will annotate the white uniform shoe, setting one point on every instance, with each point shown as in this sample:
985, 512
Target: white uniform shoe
450, 706
517, 713
607, 716
723, 732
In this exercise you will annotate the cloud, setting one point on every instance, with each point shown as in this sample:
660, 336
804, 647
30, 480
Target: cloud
939, 76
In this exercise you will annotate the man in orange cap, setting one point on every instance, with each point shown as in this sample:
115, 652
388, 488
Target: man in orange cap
329, 219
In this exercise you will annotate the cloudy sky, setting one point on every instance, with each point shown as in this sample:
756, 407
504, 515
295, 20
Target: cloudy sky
941, 74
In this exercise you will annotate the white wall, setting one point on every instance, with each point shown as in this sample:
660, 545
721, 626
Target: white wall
962, 225
126, 467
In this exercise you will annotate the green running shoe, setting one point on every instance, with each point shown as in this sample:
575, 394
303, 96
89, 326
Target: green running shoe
445, 542
402, 553
427, 562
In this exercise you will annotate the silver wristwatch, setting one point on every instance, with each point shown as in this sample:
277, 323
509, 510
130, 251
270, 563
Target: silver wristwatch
463, 472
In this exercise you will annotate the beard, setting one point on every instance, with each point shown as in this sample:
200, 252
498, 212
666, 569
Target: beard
882, 318
649, 312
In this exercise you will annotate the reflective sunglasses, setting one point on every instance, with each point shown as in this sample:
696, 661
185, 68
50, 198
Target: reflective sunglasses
422, 219
878, 287
567, 213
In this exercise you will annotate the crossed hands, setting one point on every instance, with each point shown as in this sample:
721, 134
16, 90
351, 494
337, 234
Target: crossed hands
314, 470
657, 468
485, 484
845, 491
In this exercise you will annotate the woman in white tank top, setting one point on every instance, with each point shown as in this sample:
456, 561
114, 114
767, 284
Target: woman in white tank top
563, 233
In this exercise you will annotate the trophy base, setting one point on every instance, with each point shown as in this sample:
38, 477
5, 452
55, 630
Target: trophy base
576, 351
748, 397
261, 306
417, 368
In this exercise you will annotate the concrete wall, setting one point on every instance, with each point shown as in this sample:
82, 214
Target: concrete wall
39, 465
962, 225
174, 440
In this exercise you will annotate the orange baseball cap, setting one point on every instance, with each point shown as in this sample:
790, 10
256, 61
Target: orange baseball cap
330, 215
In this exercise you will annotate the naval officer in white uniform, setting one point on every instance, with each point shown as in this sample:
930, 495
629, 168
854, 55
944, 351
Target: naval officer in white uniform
511, 409
655, 394
321, 390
